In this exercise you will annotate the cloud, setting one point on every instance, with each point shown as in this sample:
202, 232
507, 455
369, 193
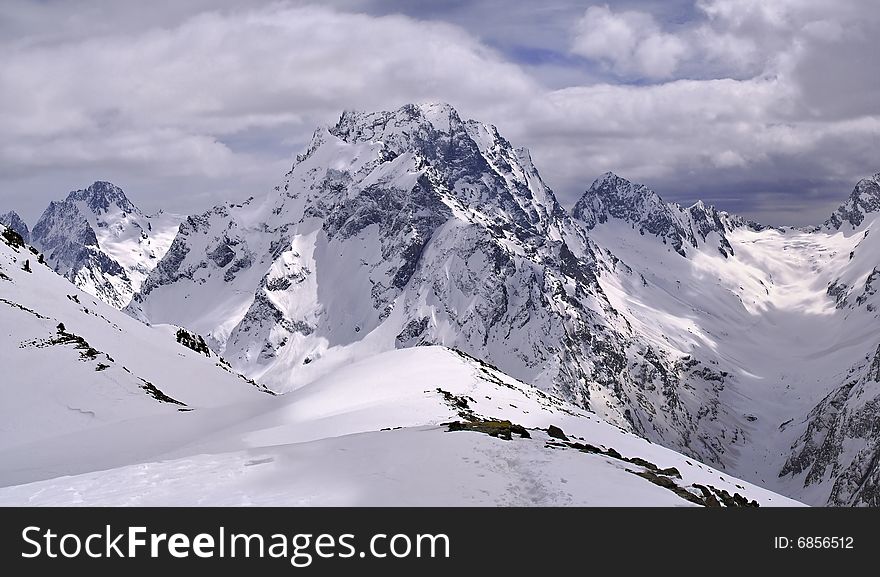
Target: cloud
753, 105
225, 72
171, 97
633, 45
778, 97
693, 139
727, 38
629, 42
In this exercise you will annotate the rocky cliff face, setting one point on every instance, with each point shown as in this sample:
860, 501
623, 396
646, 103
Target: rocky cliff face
841, 444
864, 200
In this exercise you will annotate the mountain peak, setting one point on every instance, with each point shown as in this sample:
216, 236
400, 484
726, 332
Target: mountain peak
613, 196
425, 150
863, 200
12, 221
410, 121
611, 183
100, 196
102, 242
607, 177
435, 106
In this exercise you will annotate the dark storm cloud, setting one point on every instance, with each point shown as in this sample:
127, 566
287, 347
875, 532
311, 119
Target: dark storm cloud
766, 107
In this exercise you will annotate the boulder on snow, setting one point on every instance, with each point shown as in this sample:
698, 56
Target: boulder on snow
556, 433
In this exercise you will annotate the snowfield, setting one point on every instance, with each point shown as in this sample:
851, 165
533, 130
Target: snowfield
423, 466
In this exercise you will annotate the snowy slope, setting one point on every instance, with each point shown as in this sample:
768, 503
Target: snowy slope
325, 445
74, 364
207, 277
102, 242
424, 466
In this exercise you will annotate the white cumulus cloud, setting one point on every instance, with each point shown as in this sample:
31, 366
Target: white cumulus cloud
630, 42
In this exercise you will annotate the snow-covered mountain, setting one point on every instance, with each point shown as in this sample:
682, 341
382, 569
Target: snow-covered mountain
396, 229
787, 319
76, 366
13, 221
839, 441
615, 198
393, 229
102, 242
863, 202
103, 410
689, 326
413, 227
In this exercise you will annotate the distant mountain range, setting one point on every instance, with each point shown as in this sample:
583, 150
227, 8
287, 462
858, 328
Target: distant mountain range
755, 349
